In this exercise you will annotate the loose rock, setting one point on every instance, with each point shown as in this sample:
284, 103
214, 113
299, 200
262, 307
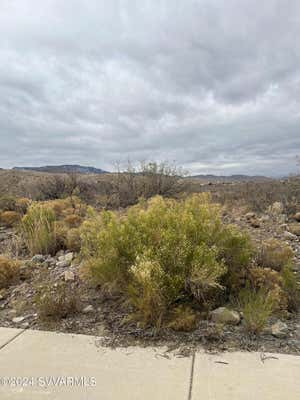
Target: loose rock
279, 329
62, 264
289, 236
223, 315
69, 276
17, 320
295, 229
297, 216
69, 257
250, 215
88, 309
38, 258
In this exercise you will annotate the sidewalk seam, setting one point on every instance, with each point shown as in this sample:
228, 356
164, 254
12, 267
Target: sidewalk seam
192, 376
12, 339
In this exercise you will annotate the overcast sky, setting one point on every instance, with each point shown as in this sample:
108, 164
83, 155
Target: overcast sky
211, 84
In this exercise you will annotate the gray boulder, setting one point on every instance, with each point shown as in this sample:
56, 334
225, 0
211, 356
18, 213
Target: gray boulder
223, 315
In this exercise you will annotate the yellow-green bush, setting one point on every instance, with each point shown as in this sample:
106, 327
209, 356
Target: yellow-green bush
275, 254
9, 271
38, 230
10, 218
291, 287
163, 251
257, 307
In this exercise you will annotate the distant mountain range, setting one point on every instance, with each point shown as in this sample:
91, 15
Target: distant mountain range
79, 169
230, 178
60, 169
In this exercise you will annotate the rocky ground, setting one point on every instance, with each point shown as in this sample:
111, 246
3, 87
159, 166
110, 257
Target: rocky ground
105, 316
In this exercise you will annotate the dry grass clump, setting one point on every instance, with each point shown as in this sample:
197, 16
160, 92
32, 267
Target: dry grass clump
38, 230
69, 206
10, 218
274, 254
268, 291
22, 205
11, 203
184, 318
9, 271
7, 203
56, 301
49, 226
257, 306
73, 240
271, 281
73, 220
163, 252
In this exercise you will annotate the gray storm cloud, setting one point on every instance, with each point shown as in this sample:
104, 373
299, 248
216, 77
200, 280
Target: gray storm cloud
213, 85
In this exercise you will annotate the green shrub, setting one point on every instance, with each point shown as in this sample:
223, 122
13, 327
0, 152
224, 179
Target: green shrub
164, 251
9, 271
291, 286
237, 252
257, 307
38, 230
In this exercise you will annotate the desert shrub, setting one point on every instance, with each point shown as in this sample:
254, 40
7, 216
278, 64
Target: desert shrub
9, 271
183, 318
147, 292
291, 286
56, 301
38, 230
257, 196
10, 218
257, 307
7, 203
73, 220
271, 281
73, 240
22, 205
61, 232
67, 207
162, 252
144, 181
54, 187
274, 254
58, 206
206, 269
237, 252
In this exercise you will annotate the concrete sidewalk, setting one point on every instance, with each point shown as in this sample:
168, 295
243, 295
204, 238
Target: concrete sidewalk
38, 365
